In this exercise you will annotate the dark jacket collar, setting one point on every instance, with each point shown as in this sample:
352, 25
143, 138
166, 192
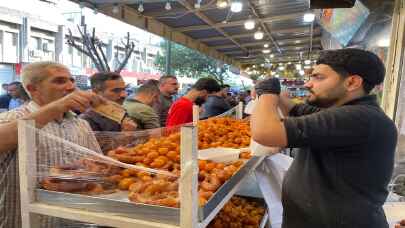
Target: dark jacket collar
365, 100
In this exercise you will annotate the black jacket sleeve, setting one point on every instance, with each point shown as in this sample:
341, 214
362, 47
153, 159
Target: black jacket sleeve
334, 127
303, 109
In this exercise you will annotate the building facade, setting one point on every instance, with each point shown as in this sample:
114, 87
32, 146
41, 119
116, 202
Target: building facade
26, 38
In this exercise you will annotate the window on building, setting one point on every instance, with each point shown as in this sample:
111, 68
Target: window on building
35, 43
149, 63
48, 45
1, 45
10, 47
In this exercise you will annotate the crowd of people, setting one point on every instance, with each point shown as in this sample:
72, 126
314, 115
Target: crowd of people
346, 142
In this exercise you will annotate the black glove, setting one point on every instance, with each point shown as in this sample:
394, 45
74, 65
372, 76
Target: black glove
268, 86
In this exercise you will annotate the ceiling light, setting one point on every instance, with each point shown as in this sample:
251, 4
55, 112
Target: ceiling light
222, 4
307, 67
289, 63
262, 65
250, 24
140, 8
197, 5
259, 34
266, 51
298, 66
307, 61
254, 66
115, 9
309, 17
281, 68
302, 72
168, 6
236, 6
266, 45
385, 42
277, 76
298, 41
272, 56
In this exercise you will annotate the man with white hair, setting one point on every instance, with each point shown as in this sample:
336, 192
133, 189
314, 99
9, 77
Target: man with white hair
54, 95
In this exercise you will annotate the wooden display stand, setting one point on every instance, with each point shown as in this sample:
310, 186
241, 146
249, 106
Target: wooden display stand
188, 187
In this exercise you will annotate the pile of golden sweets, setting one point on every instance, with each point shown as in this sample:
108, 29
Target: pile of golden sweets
164, 154
239, 213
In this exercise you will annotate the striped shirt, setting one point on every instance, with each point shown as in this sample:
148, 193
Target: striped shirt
50, 151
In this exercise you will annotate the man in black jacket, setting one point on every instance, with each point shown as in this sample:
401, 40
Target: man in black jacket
216, 104
340, 175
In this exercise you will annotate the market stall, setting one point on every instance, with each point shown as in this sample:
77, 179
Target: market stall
141, 183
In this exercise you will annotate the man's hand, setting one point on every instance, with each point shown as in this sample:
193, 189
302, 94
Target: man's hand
286, 103
401, 224
268, 86
128, 124
78, 100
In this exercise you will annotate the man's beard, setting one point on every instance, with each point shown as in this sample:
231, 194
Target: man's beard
327, 101
199, 101
121, 101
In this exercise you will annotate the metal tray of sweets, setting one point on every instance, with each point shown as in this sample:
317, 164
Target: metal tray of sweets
118, 203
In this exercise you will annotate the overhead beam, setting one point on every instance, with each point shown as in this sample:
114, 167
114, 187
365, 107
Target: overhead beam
301, 29
241, 22
286, 48
286, 58
286, 41
264, 26
132, 17
205, 7
210, 23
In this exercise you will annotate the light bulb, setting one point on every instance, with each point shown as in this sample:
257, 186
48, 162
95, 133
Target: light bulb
168, 6
272, 56
140, 8
309, 17
266, 51
266, 45
258, 35
236, 6
222, 4
250, 24
307, 61
385, 42
115, 9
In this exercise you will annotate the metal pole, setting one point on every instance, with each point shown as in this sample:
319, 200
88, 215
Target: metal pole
168, 57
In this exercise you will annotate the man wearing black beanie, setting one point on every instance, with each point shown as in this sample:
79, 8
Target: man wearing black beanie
340, 175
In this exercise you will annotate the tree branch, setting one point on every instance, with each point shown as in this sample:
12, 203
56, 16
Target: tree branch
93, 40
100, 47
129, 48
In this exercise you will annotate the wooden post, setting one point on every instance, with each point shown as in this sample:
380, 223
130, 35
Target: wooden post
27, 170
189, 178
395, 61
239, 111
196, 114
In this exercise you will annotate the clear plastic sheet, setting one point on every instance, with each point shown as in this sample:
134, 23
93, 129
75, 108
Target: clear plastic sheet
63, 166
230, 113
133, 172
